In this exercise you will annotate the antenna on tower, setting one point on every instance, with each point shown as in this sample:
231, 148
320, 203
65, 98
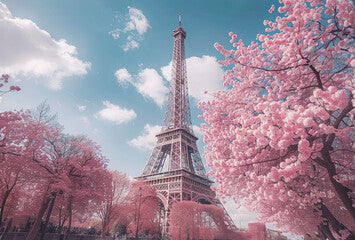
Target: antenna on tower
179, 19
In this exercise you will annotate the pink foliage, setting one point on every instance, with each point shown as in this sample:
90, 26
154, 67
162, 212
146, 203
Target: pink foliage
116, 188
281, 136
257, 231
141, 209
205, 233
192, 220
39, 165
14, 175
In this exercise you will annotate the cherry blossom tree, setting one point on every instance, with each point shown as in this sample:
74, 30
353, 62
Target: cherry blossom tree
86, 174
281, 136
14, 172
42, 169
257, 231
117, 186
11, 205
192, 220
17, 171
206, 233
141, 209
74, 166
182, 220
67, 164
73, 210
60, 213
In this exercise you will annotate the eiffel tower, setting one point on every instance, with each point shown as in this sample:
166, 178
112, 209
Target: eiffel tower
175, 168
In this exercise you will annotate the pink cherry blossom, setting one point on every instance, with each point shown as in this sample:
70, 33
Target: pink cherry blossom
272, 9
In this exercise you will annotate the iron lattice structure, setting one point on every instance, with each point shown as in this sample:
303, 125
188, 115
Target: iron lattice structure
175, 168
178, 108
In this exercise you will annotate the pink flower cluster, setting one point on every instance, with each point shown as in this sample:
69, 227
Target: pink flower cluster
15, 88
5, 79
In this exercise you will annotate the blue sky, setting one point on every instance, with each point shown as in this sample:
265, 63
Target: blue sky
103, 65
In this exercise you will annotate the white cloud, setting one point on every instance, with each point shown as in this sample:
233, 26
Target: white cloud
129, 27
123, 76
147, 140
115, 33
85, 120
81, 108
148, 83
138, 21
30, 51
4, 11
130, 44
203, 74
166, 71
133, 30
115, 113
198, 132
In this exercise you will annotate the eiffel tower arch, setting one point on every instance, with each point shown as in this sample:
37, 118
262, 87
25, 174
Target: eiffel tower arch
175, 168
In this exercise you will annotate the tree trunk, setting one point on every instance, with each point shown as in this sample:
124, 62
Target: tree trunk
105, 220
32, 235
70, 217
341, 190
342, 193
325, 231
321, 234
334, 223
60, 225
48, 216
7, 193
62, 219
7, 229
139, 211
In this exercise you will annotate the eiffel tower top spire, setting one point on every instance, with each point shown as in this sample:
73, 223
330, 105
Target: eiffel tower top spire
177, 114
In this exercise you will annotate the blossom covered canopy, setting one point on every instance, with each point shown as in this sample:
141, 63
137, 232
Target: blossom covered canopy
281, 135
